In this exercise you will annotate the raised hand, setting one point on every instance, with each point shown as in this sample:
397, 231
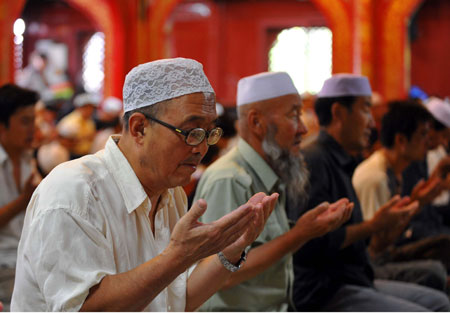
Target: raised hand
390, 221
396, 211
324, 218
442, 170
193, 240
263, 206
31, 184
427, 191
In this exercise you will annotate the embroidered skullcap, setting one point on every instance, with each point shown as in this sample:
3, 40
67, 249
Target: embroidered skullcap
341, 85
112, 105
440, 110
85, 99
264, 86
156, 81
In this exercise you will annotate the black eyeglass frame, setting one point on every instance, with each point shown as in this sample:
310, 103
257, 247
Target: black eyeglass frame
186, 133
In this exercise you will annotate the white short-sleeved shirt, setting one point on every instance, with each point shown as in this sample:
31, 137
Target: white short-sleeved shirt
10, 233
87, 219
370, 181
433, 159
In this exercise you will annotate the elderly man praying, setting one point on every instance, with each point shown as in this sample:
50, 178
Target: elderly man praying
110, 231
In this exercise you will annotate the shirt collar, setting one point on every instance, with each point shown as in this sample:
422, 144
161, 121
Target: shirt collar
25, 157
344, 159
3, 155
129, 185
257, 163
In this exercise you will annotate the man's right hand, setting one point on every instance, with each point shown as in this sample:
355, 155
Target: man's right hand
426, 191
31, 184
324, 218
397, 211
192, 240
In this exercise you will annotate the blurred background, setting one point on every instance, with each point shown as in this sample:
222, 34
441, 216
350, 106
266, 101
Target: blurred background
63, 48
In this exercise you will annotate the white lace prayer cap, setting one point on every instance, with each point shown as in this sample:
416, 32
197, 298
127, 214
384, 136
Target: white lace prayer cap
264, 86
440, 110
156, 81
341, 85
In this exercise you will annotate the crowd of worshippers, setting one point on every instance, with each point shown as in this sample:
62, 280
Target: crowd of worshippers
97, 214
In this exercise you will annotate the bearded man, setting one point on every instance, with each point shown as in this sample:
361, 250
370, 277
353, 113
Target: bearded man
267, 159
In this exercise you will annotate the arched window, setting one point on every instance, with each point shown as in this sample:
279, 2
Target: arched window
93, 63
305, 53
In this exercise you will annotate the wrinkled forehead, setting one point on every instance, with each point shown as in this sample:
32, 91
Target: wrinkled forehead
283, 103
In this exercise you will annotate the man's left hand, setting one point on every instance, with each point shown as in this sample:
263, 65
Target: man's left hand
263, 206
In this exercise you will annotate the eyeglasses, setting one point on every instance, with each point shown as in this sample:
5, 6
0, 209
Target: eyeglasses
194, 136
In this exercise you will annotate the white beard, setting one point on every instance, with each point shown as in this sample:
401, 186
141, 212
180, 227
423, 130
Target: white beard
290, 168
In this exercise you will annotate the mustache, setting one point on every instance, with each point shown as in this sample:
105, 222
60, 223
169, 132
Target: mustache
194, 159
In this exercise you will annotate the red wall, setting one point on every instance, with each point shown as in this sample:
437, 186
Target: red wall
234, 40
430, 61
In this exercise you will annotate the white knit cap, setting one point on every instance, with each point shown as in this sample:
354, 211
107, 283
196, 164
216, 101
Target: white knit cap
440, 110
50, 155
156, 81
112, 105
86, 98
341, 85
264, 86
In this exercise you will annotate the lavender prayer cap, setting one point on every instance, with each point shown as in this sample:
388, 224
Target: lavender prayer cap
264, 86
440, 110
341, 85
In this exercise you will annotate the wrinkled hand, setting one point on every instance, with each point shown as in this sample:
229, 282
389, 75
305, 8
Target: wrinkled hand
263, 206
427, 191
324, 218
192, 240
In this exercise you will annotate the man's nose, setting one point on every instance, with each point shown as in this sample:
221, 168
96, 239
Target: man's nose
201, 148
372, 121
301, 128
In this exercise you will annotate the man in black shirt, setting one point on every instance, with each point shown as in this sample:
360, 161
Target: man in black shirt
333, 273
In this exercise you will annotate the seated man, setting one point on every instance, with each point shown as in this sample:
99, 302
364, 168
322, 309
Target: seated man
18, 176
404, 136
81, 120
437, 156
333, 273
267, 159
110, 232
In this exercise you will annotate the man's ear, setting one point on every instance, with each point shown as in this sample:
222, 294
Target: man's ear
256, 123
137, 124
337, 112
400, 141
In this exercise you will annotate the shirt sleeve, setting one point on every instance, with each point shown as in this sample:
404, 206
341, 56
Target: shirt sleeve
67, 256
372, 190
